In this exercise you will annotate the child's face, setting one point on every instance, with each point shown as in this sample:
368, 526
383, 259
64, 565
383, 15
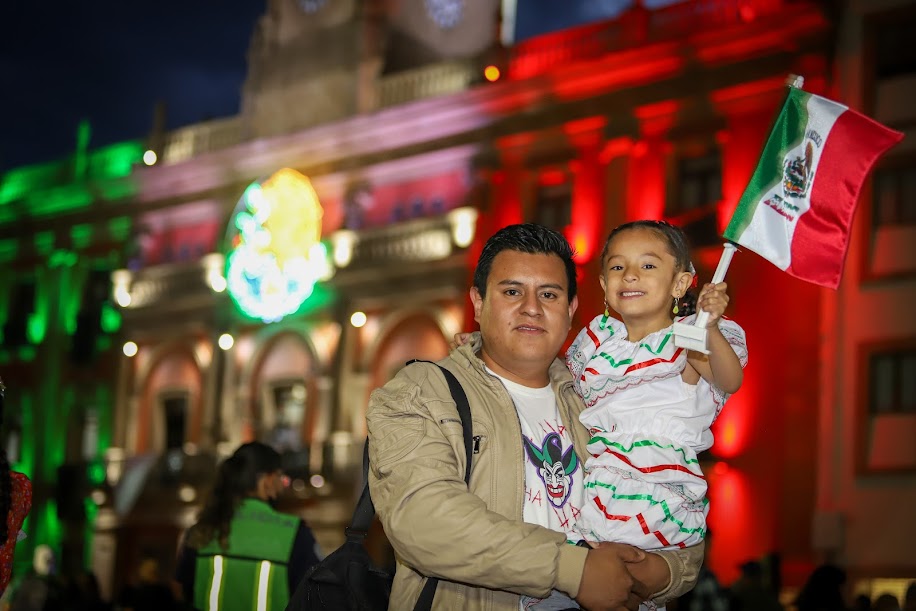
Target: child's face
639, 278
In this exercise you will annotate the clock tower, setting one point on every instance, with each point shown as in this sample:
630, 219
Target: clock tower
304, 63
429, 31
314, 61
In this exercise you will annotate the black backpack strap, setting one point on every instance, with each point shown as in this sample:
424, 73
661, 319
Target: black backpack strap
425, 601
365, 510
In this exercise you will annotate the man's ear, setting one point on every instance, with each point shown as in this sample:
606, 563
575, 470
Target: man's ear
477, 302
573, 306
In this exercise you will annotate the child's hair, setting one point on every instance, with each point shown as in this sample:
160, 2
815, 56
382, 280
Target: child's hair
236, 478
678, 247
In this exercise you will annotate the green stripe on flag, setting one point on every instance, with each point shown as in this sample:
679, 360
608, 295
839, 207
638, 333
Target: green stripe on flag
787, 133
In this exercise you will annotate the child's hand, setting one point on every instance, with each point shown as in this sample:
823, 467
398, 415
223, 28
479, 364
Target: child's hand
713, 299
460, 339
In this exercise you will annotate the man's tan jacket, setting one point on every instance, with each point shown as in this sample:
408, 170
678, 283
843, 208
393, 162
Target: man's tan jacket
474, 540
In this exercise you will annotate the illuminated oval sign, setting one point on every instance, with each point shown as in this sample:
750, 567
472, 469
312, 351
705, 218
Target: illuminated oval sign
276, 255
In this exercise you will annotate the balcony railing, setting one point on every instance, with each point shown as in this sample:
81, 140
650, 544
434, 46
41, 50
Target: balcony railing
194, 140
425, 82
429, 81
527, 59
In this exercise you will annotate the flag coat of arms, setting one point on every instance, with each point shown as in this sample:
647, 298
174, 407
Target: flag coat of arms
798, 207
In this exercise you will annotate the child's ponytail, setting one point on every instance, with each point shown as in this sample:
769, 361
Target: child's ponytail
687, 305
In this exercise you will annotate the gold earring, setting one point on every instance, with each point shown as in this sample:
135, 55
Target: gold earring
675, 309
606, 313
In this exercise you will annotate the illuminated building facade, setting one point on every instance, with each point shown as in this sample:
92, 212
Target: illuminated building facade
63, 230
399, 157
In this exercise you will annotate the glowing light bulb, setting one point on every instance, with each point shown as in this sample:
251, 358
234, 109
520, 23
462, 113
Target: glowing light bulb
130, 349
226, 341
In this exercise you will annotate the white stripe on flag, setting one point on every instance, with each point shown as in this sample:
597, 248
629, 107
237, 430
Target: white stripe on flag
769, 233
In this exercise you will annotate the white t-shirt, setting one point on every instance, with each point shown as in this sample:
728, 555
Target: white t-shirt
553, 472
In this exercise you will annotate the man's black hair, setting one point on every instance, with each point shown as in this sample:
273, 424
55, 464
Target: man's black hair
527, 238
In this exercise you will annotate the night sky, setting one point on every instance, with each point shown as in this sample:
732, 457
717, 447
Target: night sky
110, 61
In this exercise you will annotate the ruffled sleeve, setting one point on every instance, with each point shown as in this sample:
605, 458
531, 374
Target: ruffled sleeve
585, 347
737, 339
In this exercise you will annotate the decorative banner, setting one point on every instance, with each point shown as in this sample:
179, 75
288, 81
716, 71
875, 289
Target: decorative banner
276, 255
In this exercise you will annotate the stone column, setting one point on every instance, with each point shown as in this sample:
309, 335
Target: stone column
648, 176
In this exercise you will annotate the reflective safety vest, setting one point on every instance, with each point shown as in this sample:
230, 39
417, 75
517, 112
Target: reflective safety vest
251, 573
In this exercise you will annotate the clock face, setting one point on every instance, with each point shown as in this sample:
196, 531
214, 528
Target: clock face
445, 13
311, 6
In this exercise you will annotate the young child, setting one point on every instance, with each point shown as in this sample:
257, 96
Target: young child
649, 404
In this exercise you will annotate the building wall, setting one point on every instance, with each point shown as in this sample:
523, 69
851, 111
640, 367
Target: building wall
866, 464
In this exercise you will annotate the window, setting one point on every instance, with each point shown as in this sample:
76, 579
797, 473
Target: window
895, 54
553, 205
22, 305
892, 382
96, 292
89, 444
895, 195
289, 401
887, 407
697, 184
175, 411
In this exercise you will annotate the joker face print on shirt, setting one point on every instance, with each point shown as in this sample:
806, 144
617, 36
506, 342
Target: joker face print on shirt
555, 466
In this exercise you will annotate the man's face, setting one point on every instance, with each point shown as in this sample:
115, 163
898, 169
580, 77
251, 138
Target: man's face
525, 316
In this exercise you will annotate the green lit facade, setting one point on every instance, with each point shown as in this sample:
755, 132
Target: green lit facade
57, 330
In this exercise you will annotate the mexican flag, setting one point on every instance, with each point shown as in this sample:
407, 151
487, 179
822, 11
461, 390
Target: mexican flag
797, 209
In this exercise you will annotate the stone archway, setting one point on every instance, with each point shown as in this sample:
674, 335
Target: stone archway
174, 383
416, 336
283, 383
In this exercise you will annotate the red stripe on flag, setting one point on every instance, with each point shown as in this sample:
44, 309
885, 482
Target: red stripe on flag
821, 237
653, 362
593, 336
656, 468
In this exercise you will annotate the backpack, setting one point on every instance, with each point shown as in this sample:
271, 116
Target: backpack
346, 580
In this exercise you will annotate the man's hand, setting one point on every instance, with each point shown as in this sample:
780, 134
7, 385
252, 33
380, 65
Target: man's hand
606, 581
650, 575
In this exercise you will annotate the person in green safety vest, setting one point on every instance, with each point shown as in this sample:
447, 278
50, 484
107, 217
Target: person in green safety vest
241, 554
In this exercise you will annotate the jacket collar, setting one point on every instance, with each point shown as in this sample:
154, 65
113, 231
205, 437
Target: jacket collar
467, 356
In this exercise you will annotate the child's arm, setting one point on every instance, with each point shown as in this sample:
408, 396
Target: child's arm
721, 367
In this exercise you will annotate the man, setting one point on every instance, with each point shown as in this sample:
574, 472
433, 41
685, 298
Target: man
499, 544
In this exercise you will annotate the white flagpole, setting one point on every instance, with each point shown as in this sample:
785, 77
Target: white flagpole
693, 337
794, 80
